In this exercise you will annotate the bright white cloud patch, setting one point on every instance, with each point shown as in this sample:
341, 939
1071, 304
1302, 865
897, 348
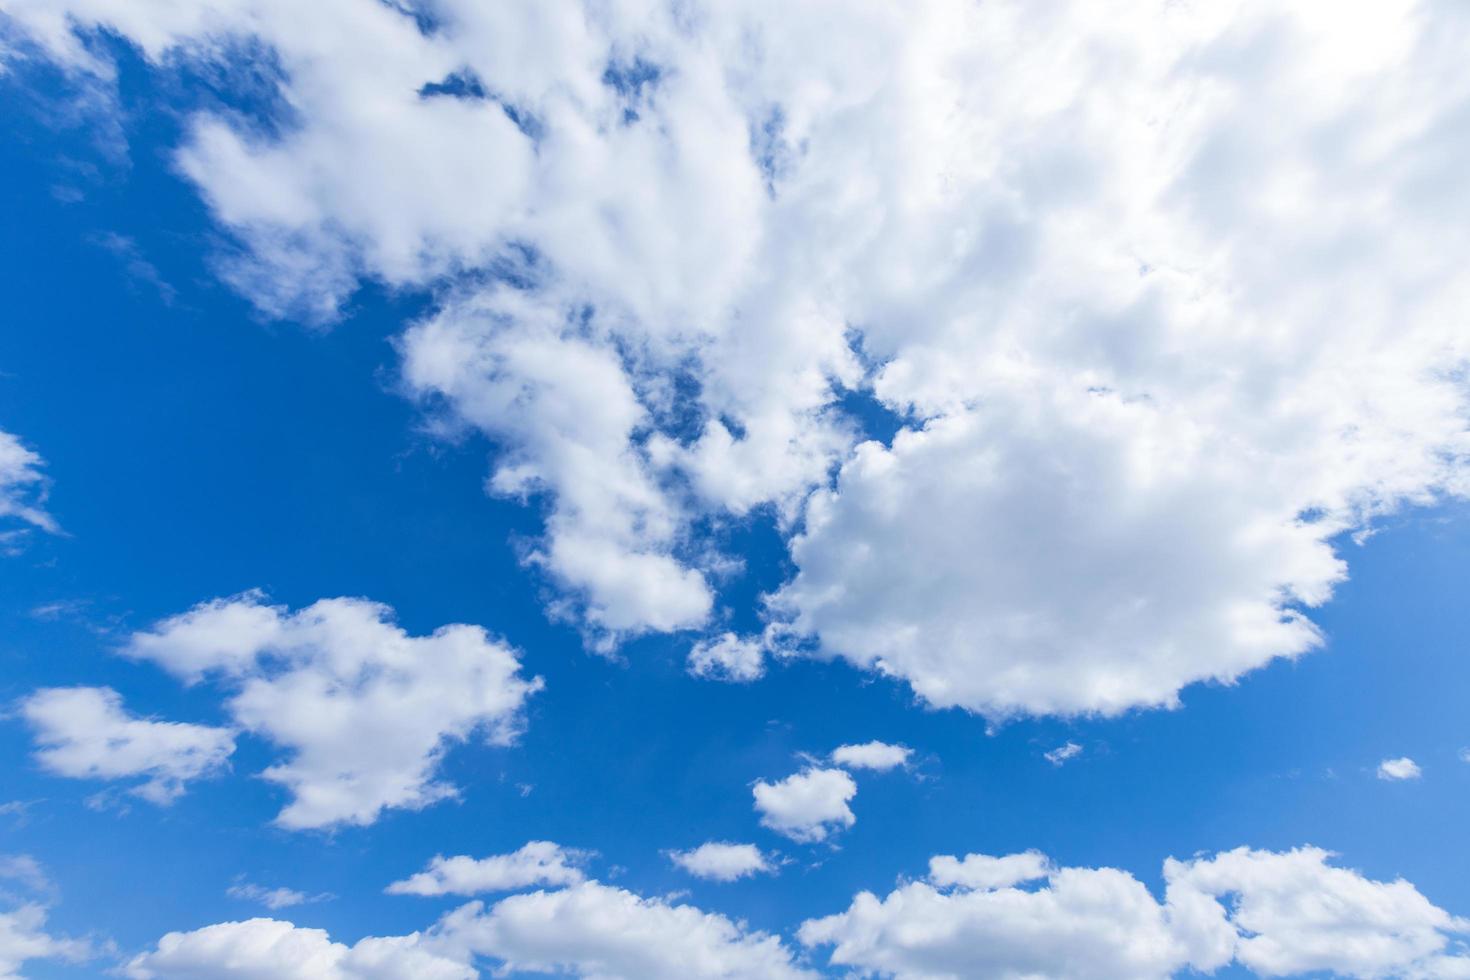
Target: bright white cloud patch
537, 863
1277, 914
261, 948
807, 806
1395, 770
596, 931
728, 658
1154, 350
365, 710
872, 755
21, 486
86, 733
723, 861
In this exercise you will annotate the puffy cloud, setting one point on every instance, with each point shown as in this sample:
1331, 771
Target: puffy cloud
86, 733
587, 930
21, 485
1063, 752
1298, 914
723, 861
537, 863
872, 755
257, 949
728, 658
365, 710
1274, 913
1395, 770
596, 931
1153, 352
808, 805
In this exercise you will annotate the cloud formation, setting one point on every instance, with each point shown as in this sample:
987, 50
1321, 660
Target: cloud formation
1151, 354
723, 861
86, 733
875, 755
22, 486
1277, 914
537, 863
365, 710
807, 806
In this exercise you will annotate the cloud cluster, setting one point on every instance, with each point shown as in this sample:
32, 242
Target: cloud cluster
23, 935
586, 930
876, 755
365, 710
1152, 351
86, 733
1276, 914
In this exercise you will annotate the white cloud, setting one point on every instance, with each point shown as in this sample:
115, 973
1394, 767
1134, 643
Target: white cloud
274, 899
596, 931
807, 806
586, 930
872, 755
86, 733
723, 861
537, 863
22, 485
728, 658
1063, 752
365, 710
1155, 350
261, 948
1399, 769
23, 920
1274, 913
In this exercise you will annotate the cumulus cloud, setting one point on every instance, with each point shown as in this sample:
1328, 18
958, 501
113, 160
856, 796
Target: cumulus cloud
872, 755
284, 951
807, 806
86, 733
22, 486
586, 930
723, 861
365, 710
596, 931
537, 863
1153, 352
1275, 913
728, 658
1395, 770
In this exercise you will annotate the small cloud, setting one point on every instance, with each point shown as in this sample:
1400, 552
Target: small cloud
723, 861
1060, 754
872, 755
274, 898
1395, 770
728, 658
1465, 755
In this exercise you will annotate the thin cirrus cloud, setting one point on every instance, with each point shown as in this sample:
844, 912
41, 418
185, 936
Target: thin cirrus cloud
364, 710
22, 489
536, 863
87, 733
1125, 456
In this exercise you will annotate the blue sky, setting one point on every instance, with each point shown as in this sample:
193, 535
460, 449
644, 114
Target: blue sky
296, 367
